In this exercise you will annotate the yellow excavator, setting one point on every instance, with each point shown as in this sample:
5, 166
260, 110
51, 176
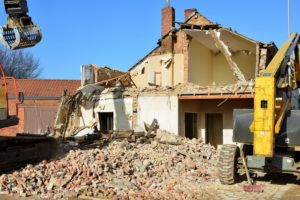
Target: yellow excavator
19, 32
268, 136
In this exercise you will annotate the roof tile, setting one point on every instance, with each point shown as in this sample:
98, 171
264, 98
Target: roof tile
43, 87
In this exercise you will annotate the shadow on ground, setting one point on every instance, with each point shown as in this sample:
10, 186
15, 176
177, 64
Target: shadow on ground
271, 178
279, 178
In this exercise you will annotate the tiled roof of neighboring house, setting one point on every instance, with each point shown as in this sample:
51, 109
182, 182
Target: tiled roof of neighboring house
43, 87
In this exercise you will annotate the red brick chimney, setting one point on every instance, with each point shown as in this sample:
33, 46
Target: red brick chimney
189, 12
168, 19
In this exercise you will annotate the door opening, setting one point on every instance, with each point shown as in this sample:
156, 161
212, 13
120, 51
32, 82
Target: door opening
106, 120
191, 125
214, 129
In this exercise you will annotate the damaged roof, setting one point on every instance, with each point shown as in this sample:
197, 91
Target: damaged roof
189, 25
199, 14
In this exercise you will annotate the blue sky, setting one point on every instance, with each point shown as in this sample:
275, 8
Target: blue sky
118, 33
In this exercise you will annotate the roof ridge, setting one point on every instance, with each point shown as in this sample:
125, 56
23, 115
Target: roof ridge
197, 12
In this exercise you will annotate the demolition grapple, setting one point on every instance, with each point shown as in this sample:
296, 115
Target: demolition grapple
19, 31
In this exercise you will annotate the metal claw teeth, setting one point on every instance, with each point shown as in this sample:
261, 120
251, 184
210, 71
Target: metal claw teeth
19, 38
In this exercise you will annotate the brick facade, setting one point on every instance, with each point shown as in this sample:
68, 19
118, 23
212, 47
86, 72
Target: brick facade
37, 104
36, 98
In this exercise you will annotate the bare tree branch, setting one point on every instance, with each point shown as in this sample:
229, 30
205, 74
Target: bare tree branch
19, 64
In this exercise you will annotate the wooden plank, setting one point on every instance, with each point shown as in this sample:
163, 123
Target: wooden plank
202, 97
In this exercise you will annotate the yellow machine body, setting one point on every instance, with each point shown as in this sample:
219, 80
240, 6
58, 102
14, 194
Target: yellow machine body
264, 118
269, 111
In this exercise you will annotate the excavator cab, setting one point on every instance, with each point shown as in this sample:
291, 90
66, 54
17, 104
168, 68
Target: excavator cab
19, 31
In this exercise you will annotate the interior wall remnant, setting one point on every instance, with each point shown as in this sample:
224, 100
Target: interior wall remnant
200, 64
221, 74
263, 59
226, 52
247, 63
92, 73
208, 66
244, 52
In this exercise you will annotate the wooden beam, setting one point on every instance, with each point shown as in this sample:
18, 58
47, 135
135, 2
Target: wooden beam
203, 97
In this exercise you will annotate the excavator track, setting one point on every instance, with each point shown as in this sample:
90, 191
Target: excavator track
16, 152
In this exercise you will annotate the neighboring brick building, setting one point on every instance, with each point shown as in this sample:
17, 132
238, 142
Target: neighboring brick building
38, 111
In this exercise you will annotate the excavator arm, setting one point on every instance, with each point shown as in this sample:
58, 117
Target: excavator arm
19, 31
274, 89
272, 143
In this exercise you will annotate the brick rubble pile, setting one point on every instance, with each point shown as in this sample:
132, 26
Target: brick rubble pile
151, 168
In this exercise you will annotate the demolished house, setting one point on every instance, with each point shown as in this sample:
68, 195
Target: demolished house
190, 83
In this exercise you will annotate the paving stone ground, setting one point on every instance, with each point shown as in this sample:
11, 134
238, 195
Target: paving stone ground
282, 186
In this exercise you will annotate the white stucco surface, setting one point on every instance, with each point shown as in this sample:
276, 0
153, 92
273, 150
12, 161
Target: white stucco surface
162, 108
121, 109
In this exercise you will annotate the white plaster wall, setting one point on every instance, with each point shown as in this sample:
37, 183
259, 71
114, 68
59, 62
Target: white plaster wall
227, 136
87, 119
162, 108
122, 109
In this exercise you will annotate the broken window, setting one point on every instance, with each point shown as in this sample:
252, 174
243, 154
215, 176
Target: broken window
106, 120
142, 71
166, 61
152, 78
